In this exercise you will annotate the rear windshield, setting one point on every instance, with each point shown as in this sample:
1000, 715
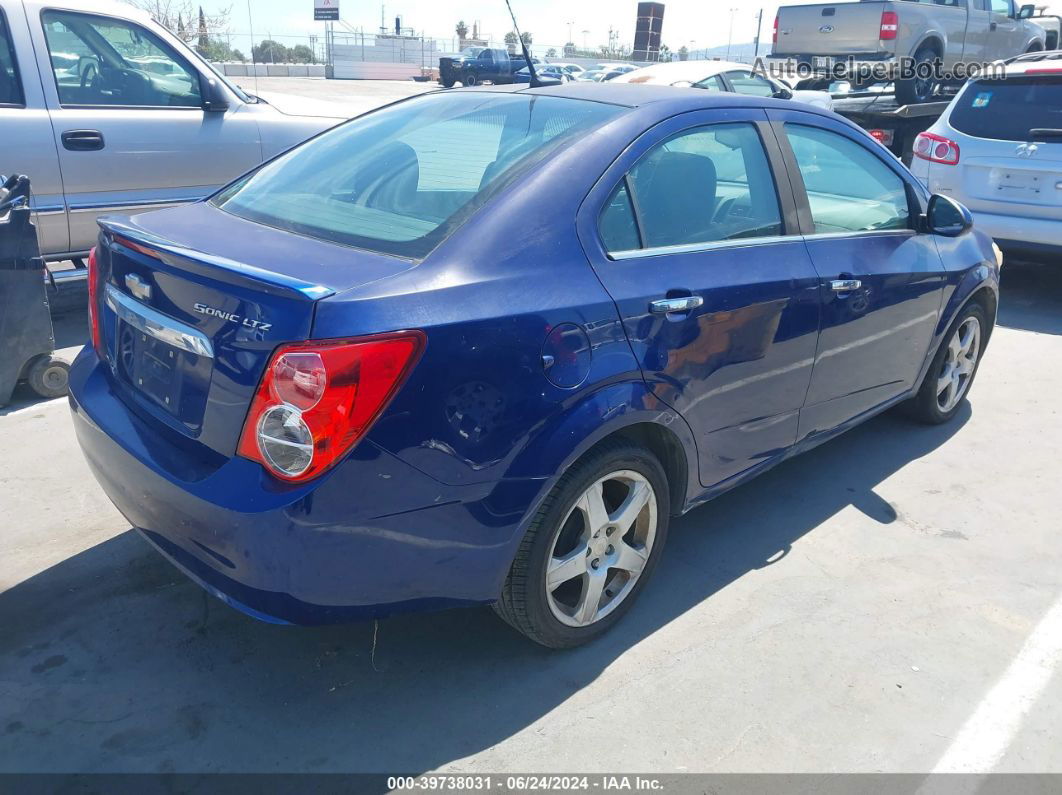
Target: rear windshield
1007, 110
399, 180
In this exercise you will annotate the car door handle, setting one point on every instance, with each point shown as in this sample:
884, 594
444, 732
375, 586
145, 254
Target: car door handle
82, 140
665, 306
845, 285
993, 26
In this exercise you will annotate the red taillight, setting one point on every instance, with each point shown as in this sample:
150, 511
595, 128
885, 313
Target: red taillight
1044, 71
93, 302
936, 149
775, 39
317, 399
890, 25
885, 137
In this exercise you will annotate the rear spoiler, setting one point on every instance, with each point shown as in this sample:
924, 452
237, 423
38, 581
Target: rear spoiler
240, 274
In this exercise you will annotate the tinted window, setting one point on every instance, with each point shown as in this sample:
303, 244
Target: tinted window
1007, 110
10, 86
399, 180
704, 186
850, 189
618, 229
107, 61
750, 84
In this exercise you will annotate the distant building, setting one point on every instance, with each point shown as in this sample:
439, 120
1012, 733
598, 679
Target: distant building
647, 32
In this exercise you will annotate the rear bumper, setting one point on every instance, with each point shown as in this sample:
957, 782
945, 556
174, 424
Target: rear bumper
1022, 236
373, 537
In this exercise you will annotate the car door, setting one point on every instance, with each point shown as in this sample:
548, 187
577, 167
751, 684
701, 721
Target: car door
129, 122
882, 280
26, 142
978, 22
1006, 33
693, 233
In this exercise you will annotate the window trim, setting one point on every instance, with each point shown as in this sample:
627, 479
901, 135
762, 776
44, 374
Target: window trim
162, 43
14, 65
775, 165
800, 191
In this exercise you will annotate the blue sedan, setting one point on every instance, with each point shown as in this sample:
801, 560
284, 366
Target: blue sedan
479, 347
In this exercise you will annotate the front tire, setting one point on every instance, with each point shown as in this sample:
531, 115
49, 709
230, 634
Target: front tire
469, 79
590, 548
951, 374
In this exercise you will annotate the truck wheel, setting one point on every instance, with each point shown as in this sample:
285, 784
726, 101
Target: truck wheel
918, 90
469, 79
48, 376
448, 82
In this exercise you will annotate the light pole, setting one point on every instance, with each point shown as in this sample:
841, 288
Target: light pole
570, 23
585, 34
730, 36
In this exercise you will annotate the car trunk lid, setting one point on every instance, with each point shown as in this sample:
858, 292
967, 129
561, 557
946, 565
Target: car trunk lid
192, 303
837, 29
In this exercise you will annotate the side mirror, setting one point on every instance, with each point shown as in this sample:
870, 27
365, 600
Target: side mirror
214, 98
946, 217
783, 93
1027, 12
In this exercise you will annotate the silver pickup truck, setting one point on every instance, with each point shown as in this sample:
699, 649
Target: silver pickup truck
945, 32
106, 111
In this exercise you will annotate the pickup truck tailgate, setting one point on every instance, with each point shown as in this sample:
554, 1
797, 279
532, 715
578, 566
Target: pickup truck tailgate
838, 29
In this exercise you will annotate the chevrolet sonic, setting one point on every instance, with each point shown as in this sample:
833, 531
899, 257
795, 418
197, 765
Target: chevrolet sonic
479, 346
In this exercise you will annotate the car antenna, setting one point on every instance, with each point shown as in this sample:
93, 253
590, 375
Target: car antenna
535, 82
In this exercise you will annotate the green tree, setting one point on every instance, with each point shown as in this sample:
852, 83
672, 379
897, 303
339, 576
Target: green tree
461, 29
300, 53
269, 51
551, 53
684, 53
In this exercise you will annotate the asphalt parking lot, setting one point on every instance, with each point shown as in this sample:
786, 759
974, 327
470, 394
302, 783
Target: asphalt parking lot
857, 609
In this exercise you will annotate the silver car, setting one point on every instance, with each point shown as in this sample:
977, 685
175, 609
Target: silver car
998, 150
106, 111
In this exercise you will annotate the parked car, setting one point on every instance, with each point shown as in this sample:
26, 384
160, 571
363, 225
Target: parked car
544, 72
880, 33
480, 346
605, 71
493, 65
998, 149
722, 76
573, 69
132, 117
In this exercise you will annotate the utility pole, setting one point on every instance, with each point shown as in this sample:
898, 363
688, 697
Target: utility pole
759, 30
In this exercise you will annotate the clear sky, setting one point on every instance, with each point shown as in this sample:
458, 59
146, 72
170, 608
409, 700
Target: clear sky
694, 23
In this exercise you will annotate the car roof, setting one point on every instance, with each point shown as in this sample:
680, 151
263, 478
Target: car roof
683, 70
1034, 61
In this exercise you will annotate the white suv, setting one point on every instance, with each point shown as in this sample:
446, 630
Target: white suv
998, 150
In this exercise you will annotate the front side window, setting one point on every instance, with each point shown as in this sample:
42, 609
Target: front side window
850, 189
710, 84
10, 85
106, 61
708, 185
1003, 7
399, 180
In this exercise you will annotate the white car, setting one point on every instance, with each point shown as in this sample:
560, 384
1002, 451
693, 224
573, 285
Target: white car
723, 76
998, 150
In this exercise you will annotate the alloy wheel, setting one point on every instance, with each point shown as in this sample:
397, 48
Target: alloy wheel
960, 360
601, 548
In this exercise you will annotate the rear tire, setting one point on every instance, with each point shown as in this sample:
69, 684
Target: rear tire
951, 374
918, 91
570, 580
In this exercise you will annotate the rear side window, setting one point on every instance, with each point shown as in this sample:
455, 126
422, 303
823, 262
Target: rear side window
10, 85
849, 188
399, 180
107, 61
707, 185
1009, 110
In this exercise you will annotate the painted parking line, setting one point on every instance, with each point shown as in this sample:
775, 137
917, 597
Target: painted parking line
987, 734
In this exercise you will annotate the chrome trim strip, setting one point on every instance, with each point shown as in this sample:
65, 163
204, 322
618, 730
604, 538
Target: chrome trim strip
48, 209
695, 248
865, 233
133, 204
157, 325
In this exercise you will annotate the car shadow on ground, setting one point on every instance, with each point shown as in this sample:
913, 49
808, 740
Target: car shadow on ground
112, 661
1031, 297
